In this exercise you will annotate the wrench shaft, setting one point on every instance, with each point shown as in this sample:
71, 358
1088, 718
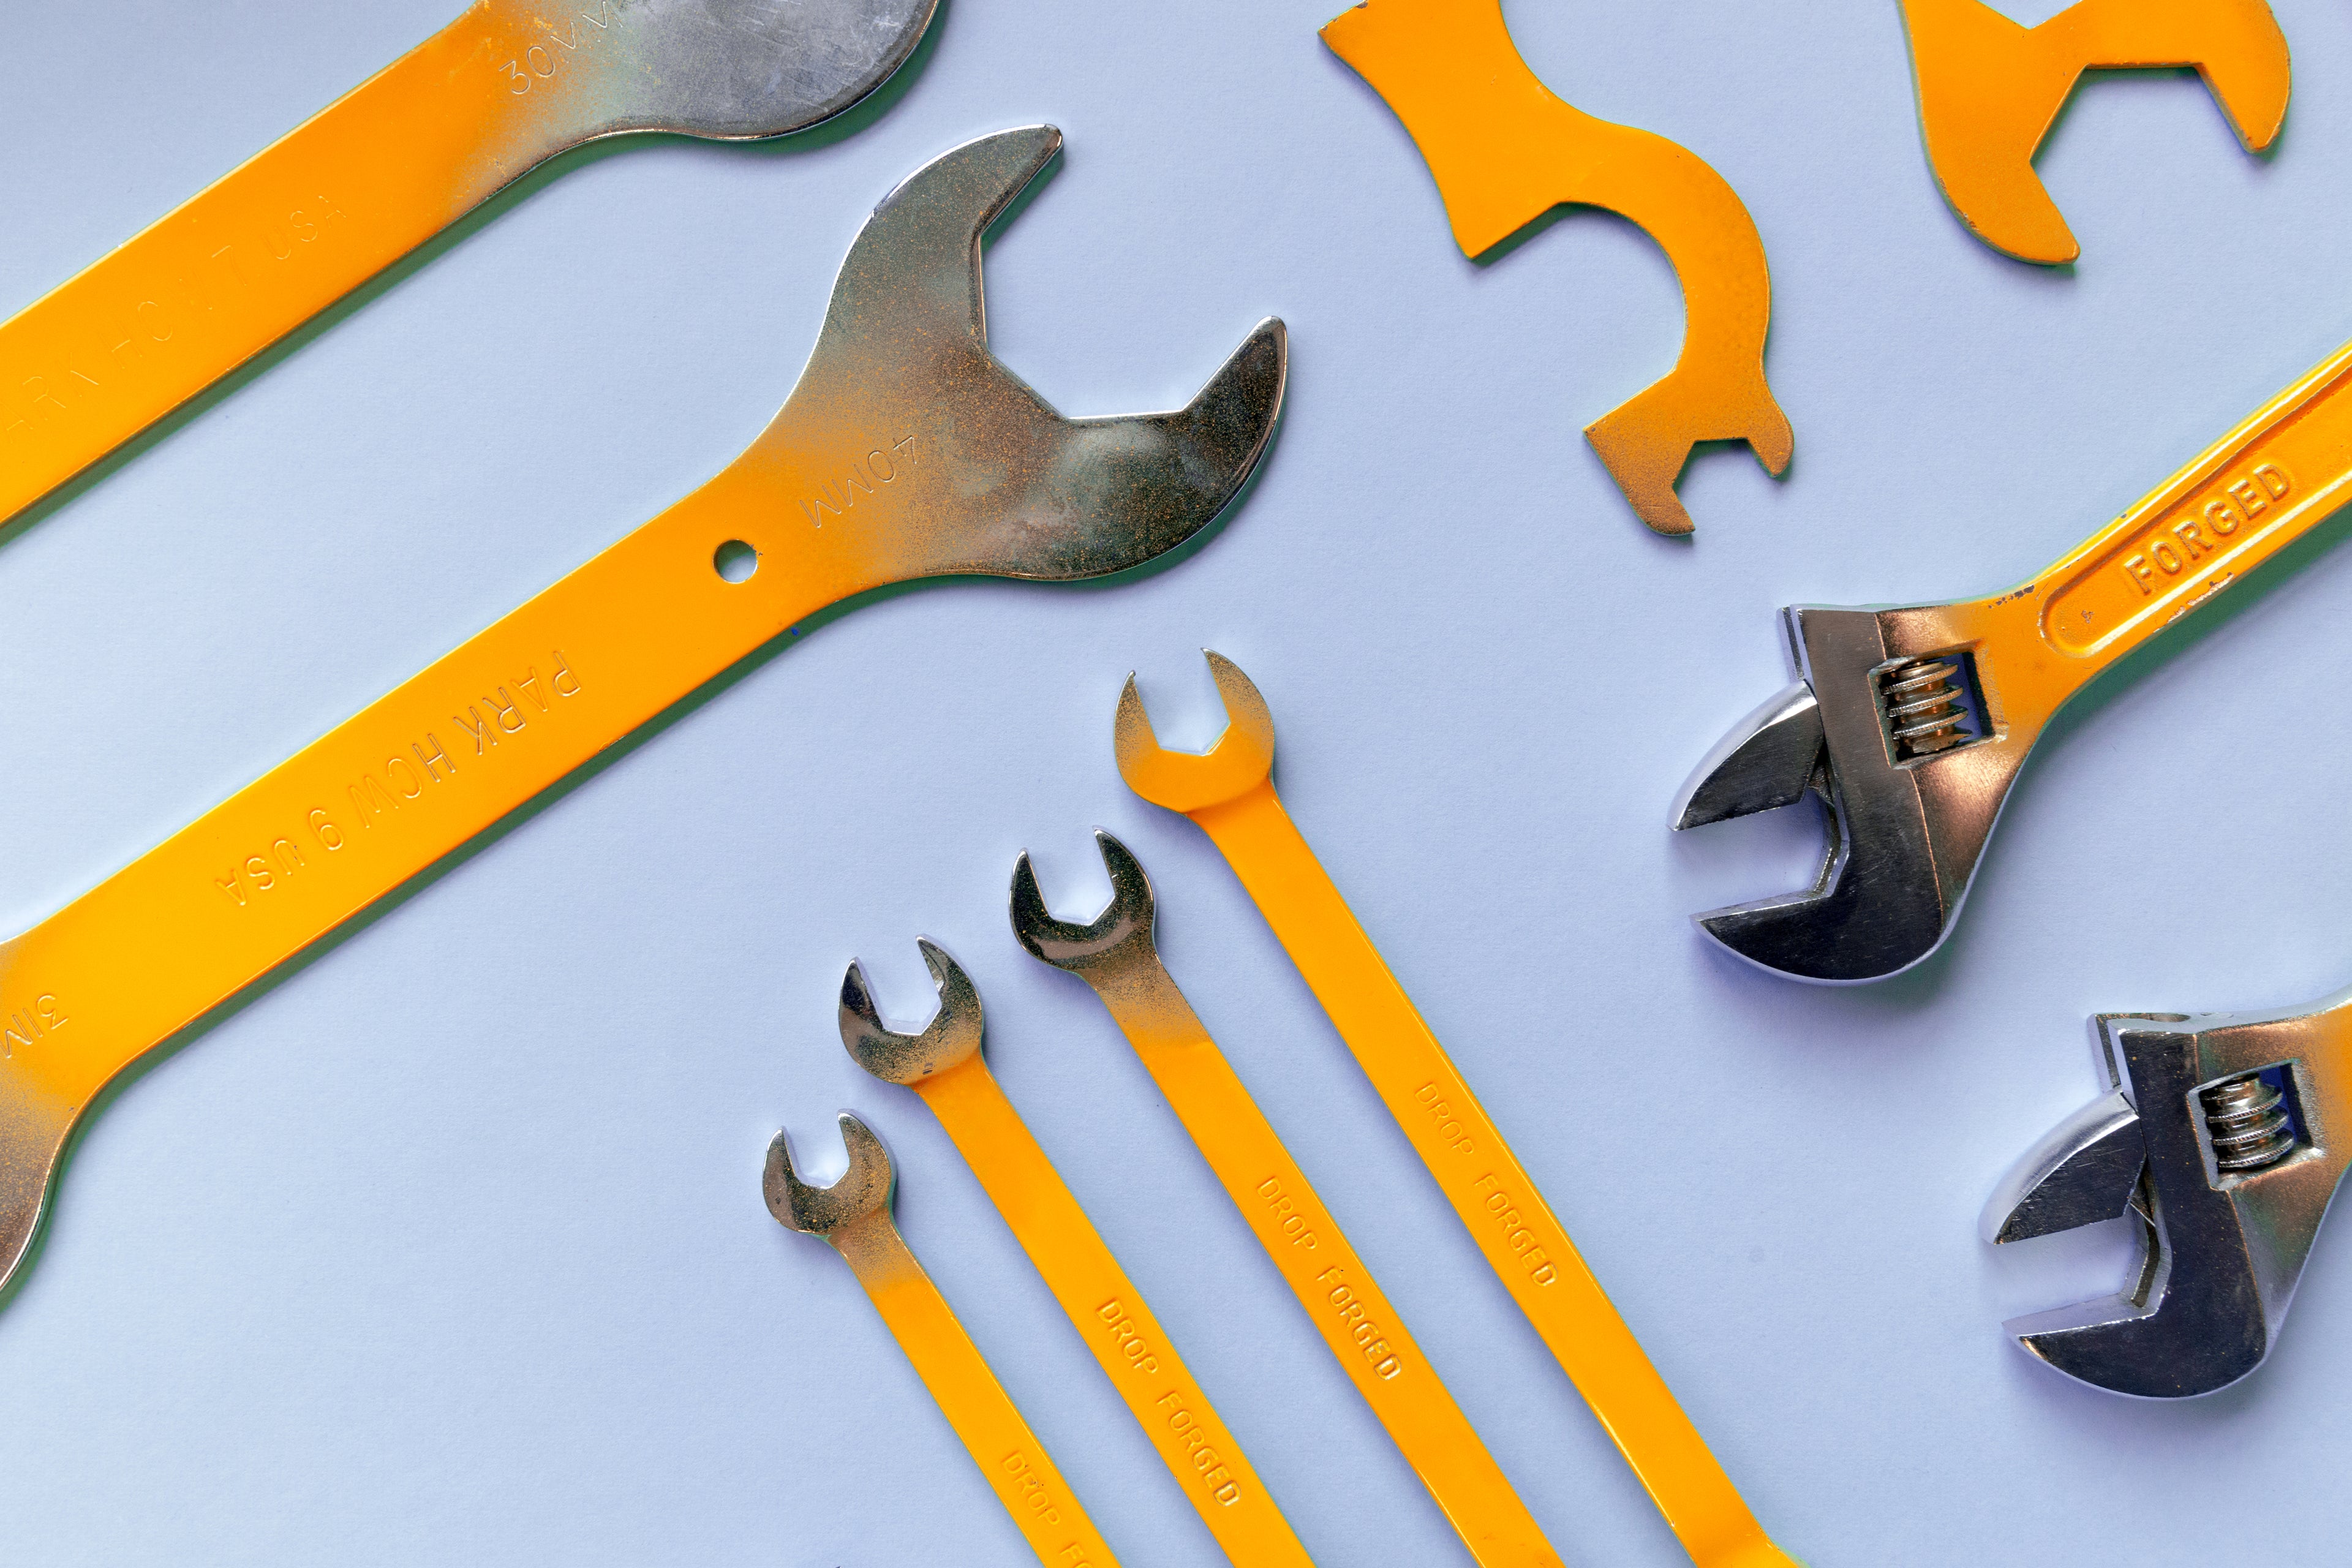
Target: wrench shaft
1111, 1316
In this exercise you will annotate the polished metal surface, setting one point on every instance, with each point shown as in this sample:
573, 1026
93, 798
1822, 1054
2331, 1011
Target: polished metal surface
861, 1191
2224, 1248
953, 1036
1121, 935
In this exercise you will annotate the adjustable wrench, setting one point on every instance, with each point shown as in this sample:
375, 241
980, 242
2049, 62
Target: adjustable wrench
1117, 956
944, 1063
852, 1217
1228, 792
1910, 723
2224, 1136
490, 97
905, 451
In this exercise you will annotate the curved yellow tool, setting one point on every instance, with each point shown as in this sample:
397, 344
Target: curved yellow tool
500, 91
944, 1063
1989, 89
1230, 793
907, 451
1504, 152
853, 1217
1117, 956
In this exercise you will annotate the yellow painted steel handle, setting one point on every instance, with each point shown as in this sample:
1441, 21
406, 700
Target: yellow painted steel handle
269, 246
2240, 502
1112, 1316
1529, 1248
1348, 1306
1017, 1467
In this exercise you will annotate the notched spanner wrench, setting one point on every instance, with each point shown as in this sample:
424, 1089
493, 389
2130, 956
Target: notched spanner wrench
2222, 1135
905, 451
1910, 723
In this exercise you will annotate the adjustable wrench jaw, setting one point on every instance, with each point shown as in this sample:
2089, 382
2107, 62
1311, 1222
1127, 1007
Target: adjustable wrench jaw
2223, 1246
1905, 827
1121, 935
864, 1190
952, 1039
917, 453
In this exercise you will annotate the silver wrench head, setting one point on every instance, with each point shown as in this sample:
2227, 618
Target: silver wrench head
915, 452
1238, 763
1123, 928
864, 1189
2216, 1135
1909, 800
953, 1035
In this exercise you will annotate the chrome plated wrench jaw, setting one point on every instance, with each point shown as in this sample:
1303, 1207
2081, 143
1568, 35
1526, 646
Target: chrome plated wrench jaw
2224, 1248
862, 1192
1905, 835
952, 1037
1121, 935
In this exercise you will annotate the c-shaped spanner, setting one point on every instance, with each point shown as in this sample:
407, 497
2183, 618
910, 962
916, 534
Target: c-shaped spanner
1117, 956
1910, 723
852, 1217
944, 1063
1230, 793
2223, 1135
905, 451
392, 162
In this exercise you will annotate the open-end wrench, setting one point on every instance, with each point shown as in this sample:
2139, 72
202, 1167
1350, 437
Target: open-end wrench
1116, 956
905, 451
2225, 1136
498, 92
1228, 792
852, 1217
945, 1065
1910, 723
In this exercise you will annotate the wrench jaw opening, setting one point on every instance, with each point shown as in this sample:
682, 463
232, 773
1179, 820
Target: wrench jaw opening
921, 455
1120, 933
2223, 1249
1905, 832
951, 1038
1240, 760
864, 1189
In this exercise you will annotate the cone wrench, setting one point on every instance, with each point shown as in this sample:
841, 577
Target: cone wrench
490, 97
1230, 793
1118, 957
852, 1217
2223, 1137
905, 451
944, 1063
1909, 723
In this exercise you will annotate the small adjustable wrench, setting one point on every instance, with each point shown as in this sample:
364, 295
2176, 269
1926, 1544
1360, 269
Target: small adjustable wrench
853, 1217
1910, 723
2225, 1136
944, 1063
393, 161
1118, 959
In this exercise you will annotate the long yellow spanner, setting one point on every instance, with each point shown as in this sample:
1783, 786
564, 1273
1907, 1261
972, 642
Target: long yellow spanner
905, 451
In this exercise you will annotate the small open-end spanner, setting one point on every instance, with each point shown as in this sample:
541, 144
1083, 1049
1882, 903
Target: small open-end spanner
945, 1065
852, 1217
905, 451
2224, 1137
1910, 723
1228, 792
1117, 956
498, 92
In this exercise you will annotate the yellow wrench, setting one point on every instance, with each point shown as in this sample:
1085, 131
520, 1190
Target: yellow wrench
503, 88
944, 1064
853, 1217
905, 451
1115, 955
1230, 793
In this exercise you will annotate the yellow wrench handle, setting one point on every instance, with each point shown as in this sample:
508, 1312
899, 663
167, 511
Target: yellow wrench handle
1112, 1316
1017, 1464
266, 248
1348, 1306
2238, 503
1526, 1245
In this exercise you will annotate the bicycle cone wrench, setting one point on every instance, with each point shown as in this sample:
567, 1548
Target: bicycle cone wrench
852, 1217
1910, 723
2223, 1136
391, 164
905, 451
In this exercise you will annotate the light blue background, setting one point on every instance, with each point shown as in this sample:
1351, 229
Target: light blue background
448, 1246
